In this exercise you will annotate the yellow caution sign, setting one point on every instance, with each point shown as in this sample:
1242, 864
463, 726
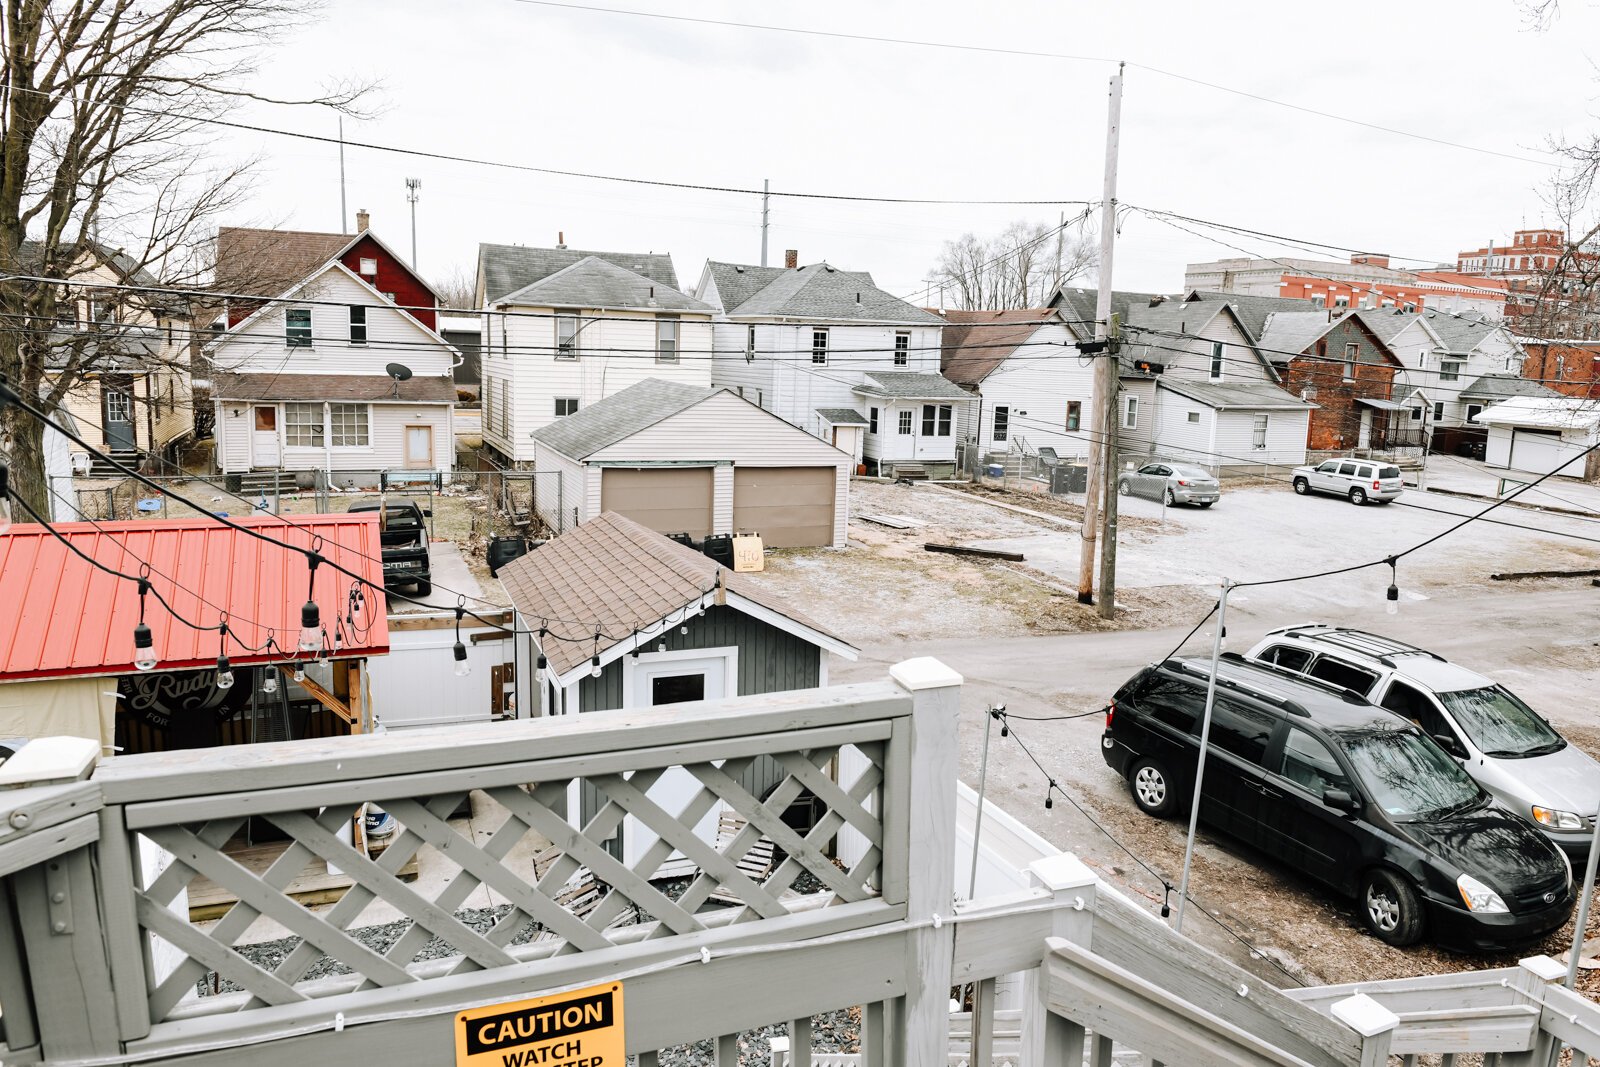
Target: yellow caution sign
581, 1028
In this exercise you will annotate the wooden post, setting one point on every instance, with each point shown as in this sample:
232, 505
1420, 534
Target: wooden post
930, 895
800, 1043
1533, 975
1048, 1038
1374, 1022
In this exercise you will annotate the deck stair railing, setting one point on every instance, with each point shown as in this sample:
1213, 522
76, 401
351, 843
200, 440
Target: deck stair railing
100, 965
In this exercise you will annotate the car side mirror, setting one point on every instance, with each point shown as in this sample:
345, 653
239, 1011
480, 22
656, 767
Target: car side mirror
1449, 743
1339, 798
427, 513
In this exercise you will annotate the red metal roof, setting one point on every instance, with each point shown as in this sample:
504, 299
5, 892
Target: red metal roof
59, 616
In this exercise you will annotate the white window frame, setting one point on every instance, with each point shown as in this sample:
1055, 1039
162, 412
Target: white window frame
570, 402
1259, 427
872, 421
350, 425
303, 419
667, 338
1193, 417
1416, 412
749, 344
1216, 361
902, 348
1130, 412
292, 333
369, 267
358, 324
1000, 424
1438, 410
1450, 370
819, 351
1352, 357
566, 347
906, 423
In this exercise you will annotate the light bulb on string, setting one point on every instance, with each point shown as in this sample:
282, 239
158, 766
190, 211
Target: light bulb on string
594, 667
1392, 594
269, 681
463, 667
224, 673
144, 645
299, 672
310, 614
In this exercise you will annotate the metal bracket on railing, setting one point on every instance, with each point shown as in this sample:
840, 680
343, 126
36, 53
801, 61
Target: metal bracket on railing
60, 902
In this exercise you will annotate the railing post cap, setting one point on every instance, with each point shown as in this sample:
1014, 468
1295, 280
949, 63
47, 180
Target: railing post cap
1062, 872
1364, 1015
1544, 968
778, 1043
924, 672
51, 759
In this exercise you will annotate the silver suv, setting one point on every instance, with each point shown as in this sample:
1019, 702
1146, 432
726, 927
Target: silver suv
1508, 747
1358, 480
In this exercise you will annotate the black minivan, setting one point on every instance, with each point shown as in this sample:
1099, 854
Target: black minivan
1344, 791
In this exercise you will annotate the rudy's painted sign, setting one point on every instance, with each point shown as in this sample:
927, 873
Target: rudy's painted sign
579, 1028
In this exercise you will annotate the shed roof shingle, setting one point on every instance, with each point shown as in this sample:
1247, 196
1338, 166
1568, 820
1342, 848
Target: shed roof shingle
1225, 396
1492, 387
627, 576
911, 385
619, 416
333, 387
507, 268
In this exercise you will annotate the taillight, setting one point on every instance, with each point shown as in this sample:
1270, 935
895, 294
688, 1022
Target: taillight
1182, 482
1111, 709
1376, 484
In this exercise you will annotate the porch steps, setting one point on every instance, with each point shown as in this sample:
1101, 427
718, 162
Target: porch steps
99, 467
910, 472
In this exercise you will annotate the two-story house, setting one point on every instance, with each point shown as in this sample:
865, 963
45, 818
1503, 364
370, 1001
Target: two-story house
334, 375
1338, 360
826, 349
565, 328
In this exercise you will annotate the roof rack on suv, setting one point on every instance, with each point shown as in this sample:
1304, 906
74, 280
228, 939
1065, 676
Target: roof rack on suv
1200, 670
1377, 646
1350, 696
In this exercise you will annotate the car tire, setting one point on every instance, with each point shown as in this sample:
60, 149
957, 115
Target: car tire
1302, 486
1390, 908
1153, 788
1124, 489
1358, 496
1169, 498
424, 588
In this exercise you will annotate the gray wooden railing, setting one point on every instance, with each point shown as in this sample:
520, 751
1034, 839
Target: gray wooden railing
101, 965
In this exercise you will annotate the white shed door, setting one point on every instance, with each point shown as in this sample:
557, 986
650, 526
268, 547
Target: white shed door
1538, 453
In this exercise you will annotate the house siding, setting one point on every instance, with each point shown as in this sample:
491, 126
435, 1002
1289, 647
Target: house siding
385, 450
1319, 376
1240, 363
555, 498
394, 277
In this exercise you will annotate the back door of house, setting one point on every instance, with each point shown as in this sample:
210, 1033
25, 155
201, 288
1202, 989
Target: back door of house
419, 448
117, 408
264, 450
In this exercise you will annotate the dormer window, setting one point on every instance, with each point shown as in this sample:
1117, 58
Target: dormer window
369, 267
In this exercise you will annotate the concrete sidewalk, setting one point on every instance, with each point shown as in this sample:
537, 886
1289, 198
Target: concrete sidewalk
1455, 474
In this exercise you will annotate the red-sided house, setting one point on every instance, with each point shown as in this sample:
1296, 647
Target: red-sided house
1338, 362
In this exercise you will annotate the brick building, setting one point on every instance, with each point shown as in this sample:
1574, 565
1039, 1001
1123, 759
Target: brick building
1552, 291
1366, 281
1339, 363
1567, 366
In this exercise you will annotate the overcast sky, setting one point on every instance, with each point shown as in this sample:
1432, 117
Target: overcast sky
521, 83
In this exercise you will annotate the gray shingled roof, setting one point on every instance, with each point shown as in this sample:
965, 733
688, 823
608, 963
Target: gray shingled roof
593, 282
911, 385
738, 282
843, 416
1252, 310
1387, 323
619, 416
507, 268
1492, 387
1294, 331
614, 569
1224, 396
821, 291
1461, 331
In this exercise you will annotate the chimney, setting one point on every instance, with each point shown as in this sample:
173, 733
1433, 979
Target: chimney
791, 259
561, 238
362, 219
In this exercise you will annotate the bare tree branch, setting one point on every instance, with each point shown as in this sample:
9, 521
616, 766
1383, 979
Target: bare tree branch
1019, 267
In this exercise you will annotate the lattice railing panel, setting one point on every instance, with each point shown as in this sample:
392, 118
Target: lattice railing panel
492, 850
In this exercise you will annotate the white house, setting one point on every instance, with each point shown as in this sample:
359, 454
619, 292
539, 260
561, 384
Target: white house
564, 329
681, 458
1540, 434
1444, 353
803, 341
305, 383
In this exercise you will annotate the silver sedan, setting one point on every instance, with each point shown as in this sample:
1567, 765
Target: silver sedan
1176, 483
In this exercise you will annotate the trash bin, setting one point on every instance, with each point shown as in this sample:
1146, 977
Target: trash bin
995, 470
684, 539
503, 550
720, 548
1068, 478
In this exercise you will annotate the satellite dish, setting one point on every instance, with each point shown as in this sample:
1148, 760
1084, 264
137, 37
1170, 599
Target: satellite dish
399, 372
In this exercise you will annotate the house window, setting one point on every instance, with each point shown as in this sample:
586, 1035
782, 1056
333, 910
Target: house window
749, 344
566, 405
348, 423
1074, 415
1416, 413
1194, 417
1438, 410
1130, 413
1216, 361
67, 313
1319, 301
1472, 411
369, 267
1352, 356
1449, 371
1341, 301
102, 309
1422, 358
905, 422
297, 327
358, 324
503, 409
872, 420
902, 348
666, 340
1002, 423
819, 346
566, 337
1258, 433
302, 425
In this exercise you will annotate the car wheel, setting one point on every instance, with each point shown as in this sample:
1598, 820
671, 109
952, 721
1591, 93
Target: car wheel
1124, 489
1170, 499
1153, 788
1302, 486
1358, 497
424, 588
1390, 908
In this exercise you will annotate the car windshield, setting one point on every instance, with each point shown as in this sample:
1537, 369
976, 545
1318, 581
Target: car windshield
1406, 774
1500, 724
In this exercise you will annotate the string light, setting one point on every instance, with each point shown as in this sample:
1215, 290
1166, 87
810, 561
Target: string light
543, 663
463, 667
1392, 596
299, 672
144, 645
310, 614
269, 681
594, 663
636, 643
1049, 802
224, 669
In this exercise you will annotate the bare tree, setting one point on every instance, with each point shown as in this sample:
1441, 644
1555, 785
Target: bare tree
457, 289
1019, 267
105, 109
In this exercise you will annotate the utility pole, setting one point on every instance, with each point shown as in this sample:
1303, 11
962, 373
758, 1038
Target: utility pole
412, 185
1105, 382
1108, 513
764, 198
1061, 238
344, 214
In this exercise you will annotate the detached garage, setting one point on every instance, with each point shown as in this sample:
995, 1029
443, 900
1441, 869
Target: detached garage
1541, 434
681, 459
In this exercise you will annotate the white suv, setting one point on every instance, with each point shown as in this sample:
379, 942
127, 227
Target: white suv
1358, 480
1508, 747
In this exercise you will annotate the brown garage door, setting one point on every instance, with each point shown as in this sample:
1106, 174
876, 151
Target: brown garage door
790, 507
666, 499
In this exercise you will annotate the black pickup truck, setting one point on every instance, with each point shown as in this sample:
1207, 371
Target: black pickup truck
405, 541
